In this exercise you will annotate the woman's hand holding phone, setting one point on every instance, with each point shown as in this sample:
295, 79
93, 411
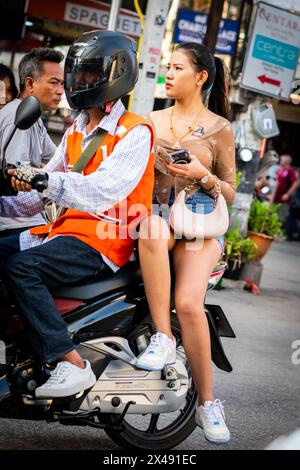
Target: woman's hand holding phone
192, 170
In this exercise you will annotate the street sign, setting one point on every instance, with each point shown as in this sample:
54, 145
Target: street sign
288, 4
98, 17
91, 13
191, 26
272, 55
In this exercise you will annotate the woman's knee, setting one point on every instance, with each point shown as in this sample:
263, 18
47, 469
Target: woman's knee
153, 228
189, 309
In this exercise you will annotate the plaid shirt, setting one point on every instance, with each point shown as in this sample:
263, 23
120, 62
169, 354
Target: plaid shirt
114, 180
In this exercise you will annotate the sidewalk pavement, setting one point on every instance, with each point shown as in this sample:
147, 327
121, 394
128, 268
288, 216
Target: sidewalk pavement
262, 393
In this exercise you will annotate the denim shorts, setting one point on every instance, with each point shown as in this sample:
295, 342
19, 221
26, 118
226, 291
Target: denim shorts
200, 202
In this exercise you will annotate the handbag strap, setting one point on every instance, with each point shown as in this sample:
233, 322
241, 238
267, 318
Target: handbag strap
191, 189
89, 151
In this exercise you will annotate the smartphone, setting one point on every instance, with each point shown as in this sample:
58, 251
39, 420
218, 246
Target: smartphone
180, 156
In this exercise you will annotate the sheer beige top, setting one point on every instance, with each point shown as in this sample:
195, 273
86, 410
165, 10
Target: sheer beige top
213, 144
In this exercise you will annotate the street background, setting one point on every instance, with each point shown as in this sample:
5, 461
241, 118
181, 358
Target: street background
262, 392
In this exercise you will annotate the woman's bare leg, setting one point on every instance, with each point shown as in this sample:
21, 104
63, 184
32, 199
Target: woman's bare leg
192, 271
155, 242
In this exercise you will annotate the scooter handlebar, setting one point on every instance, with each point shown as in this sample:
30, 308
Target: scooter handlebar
40, 182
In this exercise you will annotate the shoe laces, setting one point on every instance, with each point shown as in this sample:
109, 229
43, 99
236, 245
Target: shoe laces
214, 412
156, 341
63, 369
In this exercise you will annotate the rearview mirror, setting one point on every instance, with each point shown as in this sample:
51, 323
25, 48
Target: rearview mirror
28, 112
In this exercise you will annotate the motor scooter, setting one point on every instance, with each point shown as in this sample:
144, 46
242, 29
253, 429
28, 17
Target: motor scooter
109, 322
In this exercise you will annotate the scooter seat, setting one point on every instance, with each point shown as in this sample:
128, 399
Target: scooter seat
96, 285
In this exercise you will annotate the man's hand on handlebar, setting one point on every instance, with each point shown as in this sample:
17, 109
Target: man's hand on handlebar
26, 178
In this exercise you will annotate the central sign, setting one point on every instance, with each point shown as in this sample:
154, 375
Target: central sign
272, 56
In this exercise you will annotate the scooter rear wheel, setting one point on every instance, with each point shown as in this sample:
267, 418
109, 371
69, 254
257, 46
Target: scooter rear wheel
157, 431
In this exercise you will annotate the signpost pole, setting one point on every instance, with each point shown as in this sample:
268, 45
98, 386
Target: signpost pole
243, 26
155, 24
213, 24
113, 15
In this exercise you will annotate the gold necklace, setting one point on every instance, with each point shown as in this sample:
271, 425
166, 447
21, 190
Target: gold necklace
191, 128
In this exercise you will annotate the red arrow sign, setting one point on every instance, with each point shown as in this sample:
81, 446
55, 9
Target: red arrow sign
271, 81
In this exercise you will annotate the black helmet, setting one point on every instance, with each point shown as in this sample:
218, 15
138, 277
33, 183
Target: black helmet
101, 66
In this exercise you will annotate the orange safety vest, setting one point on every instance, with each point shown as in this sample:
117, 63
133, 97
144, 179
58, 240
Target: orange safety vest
115, 241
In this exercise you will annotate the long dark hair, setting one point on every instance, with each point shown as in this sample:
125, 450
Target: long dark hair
6, 72
215, 85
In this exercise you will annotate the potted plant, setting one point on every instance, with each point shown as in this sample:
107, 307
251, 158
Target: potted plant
238, 250
264, 225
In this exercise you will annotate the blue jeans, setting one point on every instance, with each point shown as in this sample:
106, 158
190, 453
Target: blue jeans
199, 202
30, 275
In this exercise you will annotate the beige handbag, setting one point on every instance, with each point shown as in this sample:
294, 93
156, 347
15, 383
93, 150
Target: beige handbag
188, 224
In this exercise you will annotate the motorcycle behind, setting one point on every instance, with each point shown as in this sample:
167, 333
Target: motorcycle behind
110, 324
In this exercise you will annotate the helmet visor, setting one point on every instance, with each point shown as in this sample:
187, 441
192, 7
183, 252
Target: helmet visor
87, 74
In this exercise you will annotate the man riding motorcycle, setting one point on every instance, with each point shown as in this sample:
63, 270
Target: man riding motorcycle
100, 68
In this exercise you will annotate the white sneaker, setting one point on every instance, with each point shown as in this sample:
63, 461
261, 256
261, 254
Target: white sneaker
160, 352
67, 379
211, 418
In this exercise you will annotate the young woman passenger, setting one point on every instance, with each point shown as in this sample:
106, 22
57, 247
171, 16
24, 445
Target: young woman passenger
193, 75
